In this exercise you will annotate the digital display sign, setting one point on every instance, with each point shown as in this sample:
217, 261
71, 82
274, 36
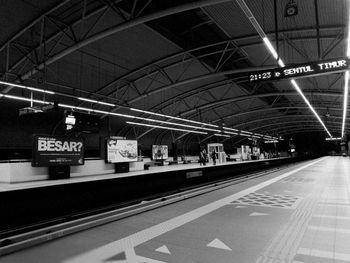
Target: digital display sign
300, 70
120, 151
51, 150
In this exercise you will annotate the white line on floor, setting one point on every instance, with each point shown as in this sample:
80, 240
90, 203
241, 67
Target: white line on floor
113, 248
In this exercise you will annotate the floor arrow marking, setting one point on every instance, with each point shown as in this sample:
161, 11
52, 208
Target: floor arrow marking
218, 244
163, 249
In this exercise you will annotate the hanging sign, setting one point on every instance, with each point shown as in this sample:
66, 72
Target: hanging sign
309, 69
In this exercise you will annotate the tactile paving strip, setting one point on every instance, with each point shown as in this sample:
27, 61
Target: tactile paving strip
258, 199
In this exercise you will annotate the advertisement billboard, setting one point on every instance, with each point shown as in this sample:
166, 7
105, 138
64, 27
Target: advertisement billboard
120, 151
51, 150
160, 152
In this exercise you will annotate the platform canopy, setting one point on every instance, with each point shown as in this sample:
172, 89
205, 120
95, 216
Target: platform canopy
188, 59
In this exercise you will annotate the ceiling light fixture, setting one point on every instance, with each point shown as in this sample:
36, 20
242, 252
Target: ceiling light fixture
272, 141
26, 87
243, 133
346, 86
334, 139
135, 117
296, 86
24, 99
230, 129
175, 118
164, 127
232, 133
176, 124
117, 114
345, 103
274, 53
96, 101
222, 135
246, 133
249, 133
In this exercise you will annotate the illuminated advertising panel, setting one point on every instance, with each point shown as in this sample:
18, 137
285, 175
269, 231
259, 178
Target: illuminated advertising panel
160, 152
51, 150
300, 70
121, 151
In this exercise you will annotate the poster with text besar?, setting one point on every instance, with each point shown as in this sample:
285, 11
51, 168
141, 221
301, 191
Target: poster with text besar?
160, 152
49, 150
121, 151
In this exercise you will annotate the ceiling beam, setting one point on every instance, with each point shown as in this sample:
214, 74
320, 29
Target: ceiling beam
266, 120
274, 131
296, 122
258, 96
258, 111
31, 24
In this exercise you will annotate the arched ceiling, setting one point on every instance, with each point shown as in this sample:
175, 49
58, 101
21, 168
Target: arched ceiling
181, 58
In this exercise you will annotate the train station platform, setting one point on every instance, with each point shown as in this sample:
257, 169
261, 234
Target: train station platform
6, 187
298, 214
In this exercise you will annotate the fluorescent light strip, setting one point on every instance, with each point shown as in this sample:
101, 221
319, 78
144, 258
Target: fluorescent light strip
281, 63
271, 48
177, 124
123, 115
135, 117
233, 133
26, 87
334, 139
93, 110
348, 45
248, 133
163, 127
24, 99
345, 104
346, 86
222, 135
296, 86
230, 129
273, 51
149, 125
175, 118
273, 141
96, 101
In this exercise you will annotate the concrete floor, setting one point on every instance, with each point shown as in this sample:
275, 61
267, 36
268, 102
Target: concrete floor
300, 214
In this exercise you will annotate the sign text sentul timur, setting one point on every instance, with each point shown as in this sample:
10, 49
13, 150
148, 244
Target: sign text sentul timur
300, 70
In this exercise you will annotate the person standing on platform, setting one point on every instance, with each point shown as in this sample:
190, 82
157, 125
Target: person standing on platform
213, 156
202, 156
